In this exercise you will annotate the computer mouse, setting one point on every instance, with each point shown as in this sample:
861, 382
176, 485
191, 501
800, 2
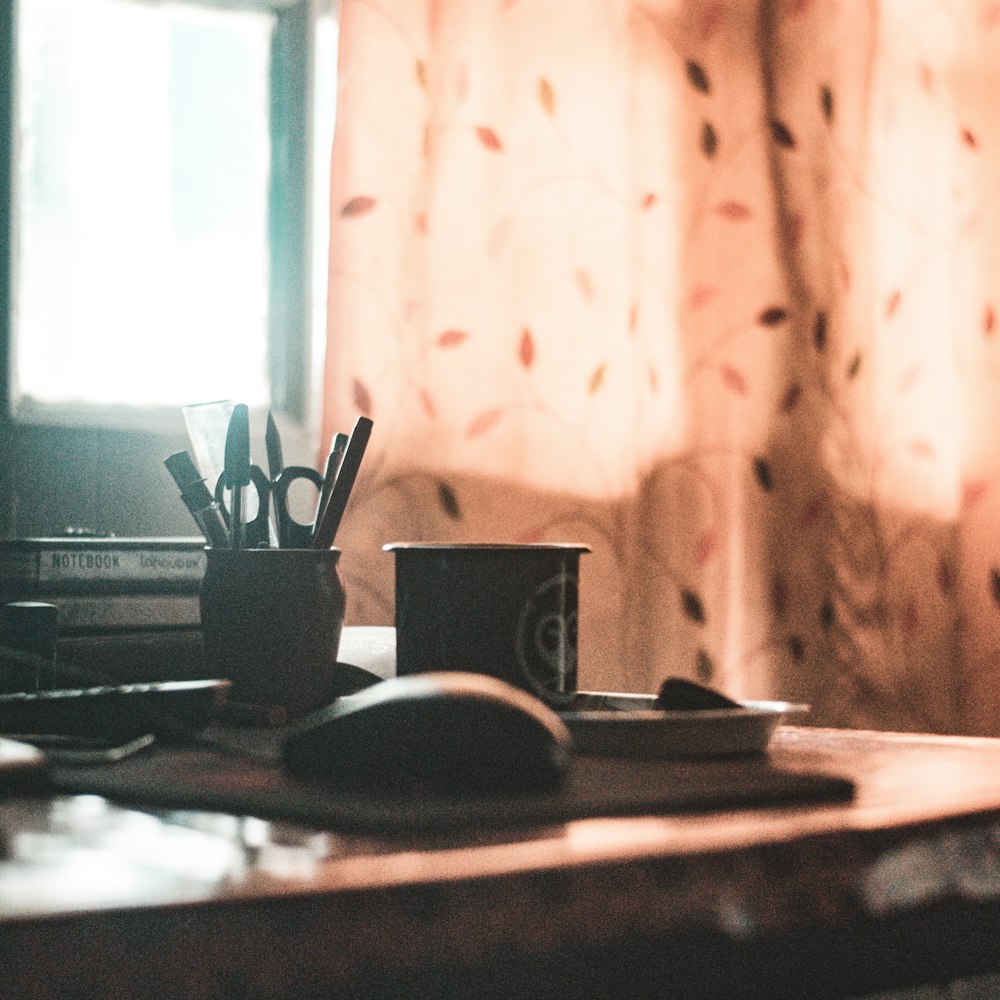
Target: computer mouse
438, 733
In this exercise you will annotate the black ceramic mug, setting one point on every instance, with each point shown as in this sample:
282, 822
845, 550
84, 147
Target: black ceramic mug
506, 610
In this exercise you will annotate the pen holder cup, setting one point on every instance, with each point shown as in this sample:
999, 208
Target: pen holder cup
506, 610
271, 621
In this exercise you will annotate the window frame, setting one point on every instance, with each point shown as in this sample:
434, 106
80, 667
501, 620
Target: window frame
292, 138
294, 346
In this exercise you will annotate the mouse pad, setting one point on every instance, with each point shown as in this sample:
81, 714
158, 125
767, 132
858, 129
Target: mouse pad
200, 778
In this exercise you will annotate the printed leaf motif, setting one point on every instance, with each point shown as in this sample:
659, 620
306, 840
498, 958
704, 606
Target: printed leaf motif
910, 377
546, 96
448, 501
791, 398
782, 136
845, 272
526, 349
452, 338
855, 366
734, 379
361, 396
773, 316
357, 206
596, 378
826, 101
819, 331
779, 596
700, 297
973, 492
499, 237
709, 140
734, 211
704, 667
706, 546
827, 615
483, 422
945, 576
995, 584
530, 536
813, 510
796, 648
697, 76
796, 225
711, 20
489, 138
428, 404
762, 473
692, 606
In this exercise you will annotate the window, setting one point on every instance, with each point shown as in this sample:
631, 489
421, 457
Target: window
159, 191
163, 207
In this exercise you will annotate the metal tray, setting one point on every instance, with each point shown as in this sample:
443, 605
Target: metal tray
628, 725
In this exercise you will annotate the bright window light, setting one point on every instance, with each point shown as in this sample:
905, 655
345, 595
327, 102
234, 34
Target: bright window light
141, 203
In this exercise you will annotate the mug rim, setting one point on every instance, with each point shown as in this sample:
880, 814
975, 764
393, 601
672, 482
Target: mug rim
487, 546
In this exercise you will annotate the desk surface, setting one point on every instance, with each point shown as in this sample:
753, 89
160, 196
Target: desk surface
900, 885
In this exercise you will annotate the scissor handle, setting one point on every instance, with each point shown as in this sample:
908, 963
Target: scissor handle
256, 533
291, 533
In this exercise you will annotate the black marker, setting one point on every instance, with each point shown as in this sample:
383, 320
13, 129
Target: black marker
197, 498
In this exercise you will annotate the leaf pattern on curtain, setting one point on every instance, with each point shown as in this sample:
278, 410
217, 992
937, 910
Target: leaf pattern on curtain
709, 287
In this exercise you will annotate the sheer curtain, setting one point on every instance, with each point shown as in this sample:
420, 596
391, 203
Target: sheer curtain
710, 285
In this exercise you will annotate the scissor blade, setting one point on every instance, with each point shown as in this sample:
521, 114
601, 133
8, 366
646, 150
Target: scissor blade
237, 467
272, 442
236, 472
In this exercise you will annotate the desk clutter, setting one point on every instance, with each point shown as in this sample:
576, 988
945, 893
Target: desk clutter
465, 714
222, 511
183, 751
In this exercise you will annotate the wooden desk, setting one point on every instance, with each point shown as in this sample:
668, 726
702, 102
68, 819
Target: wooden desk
902, 885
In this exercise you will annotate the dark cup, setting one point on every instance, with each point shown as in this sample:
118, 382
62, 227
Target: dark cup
271, 621
509, 611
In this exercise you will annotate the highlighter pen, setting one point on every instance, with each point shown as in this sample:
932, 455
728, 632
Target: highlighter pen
199, 501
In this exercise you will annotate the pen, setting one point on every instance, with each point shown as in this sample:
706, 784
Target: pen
198, 499
326, 530
333, 461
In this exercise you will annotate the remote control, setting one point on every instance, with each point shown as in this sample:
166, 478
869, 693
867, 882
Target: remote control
113, 712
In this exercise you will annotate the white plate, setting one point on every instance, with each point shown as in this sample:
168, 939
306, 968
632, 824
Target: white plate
622, 725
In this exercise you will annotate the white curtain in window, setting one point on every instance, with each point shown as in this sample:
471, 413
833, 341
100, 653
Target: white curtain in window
709, 285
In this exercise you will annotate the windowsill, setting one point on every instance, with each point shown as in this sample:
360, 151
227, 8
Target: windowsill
166, 420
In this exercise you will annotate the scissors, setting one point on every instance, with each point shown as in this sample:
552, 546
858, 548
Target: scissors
291, 533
